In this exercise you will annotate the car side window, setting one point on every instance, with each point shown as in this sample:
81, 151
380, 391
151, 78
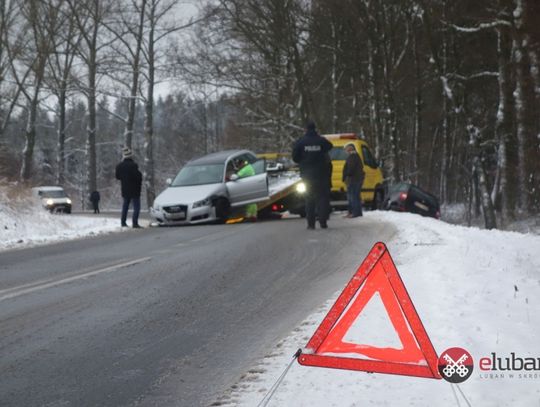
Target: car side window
369, 160
249, 158
259, 166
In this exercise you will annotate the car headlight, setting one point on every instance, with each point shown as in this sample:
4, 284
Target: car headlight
204, 202
69, 201
301, 188
49, 202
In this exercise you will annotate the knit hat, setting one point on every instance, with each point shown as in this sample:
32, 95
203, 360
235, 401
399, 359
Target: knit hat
127, 153
310, 125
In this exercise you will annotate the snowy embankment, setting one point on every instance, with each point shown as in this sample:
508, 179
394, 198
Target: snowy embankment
24, 223
472, 288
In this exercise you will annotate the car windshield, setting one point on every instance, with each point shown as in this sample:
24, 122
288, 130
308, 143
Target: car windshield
52, 194
338, 153
199, 175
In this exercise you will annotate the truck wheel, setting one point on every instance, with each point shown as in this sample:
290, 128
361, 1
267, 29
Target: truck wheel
378, 199
223, 209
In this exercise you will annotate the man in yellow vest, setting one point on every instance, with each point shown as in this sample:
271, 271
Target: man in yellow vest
245, 169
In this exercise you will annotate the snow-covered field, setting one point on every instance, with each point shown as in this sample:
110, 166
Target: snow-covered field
24, 223
475, 289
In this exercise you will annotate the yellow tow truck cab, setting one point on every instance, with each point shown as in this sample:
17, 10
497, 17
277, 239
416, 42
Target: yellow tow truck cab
373, 189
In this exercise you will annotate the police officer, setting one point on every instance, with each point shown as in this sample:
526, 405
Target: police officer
311, 153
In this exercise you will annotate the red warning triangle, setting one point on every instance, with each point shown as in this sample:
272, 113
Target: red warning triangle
331, 347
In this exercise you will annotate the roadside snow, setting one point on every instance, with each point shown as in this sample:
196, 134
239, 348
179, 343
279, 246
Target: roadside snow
25, 223
472, 288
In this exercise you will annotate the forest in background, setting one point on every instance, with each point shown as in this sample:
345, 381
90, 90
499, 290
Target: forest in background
447, 93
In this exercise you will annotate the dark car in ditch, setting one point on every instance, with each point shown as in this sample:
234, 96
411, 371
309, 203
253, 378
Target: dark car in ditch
406, 197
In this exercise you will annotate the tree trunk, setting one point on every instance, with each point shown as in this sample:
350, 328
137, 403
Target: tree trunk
417, 109
488, 210
523, 98
91, 166
149, 115
334, 79
132, 105
30, 133
374, 103
29, 142
503, 123
61, 135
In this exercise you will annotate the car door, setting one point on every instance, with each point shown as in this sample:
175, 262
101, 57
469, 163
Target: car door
252, 188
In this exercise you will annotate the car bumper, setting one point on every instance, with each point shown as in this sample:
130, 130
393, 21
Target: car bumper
192, 216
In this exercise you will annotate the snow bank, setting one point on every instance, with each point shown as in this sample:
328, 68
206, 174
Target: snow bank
23, 222
472, 288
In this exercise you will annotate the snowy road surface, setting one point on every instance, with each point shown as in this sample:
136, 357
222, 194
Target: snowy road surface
162, 317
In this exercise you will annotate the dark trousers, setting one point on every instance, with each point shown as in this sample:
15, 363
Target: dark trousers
353, 197
95, 206
136, 210
317, 201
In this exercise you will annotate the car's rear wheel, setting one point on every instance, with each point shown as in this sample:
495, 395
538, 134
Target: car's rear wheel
223, 209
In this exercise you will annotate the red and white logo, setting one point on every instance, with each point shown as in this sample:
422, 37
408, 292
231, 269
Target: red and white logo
455, 365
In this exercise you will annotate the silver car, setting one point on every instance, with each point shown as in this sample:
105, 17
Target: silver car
207, 189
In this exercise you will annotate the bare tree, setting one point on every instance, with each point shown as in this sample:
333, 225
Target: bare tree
42, 22
128, 30
160, 25
503, 123
60, 76
523, 95
89, 16
13, 38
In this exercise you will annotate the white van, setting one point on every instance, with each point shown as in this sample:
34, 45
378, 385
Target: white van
53, 199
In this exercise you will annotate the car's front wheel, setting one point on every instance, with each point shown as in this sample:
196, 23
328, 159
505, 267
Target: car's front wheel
223, 209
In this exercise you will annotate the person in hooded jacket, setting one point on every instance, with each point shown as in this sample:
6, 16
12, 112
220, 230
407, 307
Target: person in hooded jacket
311, 153
131, 181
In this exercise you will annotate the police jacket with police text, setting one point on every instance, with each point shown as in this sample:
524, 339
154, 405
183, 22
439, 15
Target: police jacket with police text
310, 152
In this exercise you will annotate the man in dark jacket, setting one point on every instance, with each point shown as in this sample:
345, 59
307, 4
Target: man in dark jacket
131, 179
95, 198
353, 177
311, 153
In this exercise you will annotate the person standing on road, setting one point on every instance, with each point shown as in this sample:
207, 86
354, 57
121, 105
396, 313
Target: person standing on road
353, 177
131, 180
311, 153
245, 169
95, 198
